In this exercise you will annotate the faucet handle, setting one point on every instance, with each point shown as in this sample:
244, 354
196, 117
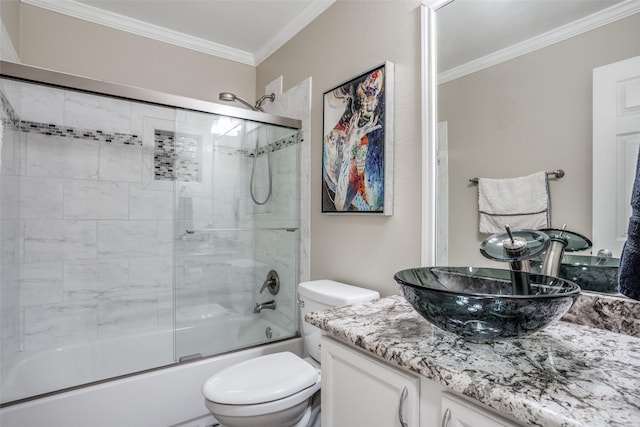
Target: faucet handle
272, 283
514, 245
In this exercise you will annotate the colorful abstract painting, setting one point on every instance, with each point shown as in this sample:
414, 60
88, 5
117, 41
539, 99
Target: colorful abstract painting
357, 154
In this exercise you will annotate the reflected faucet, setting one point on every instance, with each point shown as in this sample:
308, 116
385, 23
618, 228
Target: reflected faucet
562, 241
271, 305
603, 255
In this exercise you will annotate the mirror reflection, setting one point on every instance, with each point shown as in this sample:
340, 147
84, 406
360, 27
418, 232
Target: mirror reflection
516, 96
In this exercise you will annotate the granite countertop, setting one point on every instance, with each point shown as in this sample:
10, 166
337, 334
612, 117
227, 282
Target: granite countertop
564, 375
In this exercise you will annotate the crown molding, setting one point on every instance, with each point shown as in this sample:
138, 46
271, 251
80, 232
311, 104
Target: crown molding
310, 13
588, 23
141, 28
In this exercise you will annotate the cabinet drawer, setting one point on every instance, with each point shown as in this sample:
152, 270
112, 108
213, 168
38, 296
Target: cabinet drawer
459, 412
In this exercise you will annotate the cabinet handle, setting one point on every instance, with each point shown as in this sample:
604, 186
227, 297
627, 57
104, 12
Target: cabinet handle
403, 397
446, 417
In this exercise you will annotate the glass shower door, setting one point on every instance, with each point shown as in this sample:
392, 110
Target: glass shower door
236, 224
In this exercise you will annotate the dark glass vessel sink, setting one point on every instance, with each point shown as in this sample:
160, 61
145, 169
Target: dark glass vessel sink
591, 273
478, 304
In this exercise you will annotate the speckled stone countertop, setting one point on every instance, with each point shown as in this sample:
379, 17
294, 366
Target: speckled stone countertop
564, 375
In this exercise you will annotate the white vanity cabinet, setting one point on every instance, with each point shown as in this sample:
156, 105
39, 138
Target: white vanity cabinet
459, 412
359, 391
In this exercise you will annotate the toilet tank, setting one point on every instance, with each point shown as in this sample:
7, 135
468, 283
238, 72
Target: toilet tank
318, 295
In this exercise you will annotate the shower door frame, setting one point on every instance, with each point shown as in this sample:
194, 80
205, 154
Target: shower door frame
41, 75
36, 75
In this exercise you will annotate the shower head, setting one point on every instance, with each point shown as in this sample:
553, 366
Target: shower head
227, 96
271, 97
230, 97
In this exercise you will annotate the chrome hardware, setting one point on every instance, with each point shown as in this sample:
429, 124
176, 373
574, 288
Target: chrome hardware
555, 174
272, 283
190, 357
217, 230
300, 303
446, 417
268, 332
403, 397
605, 253
553, 258
270, 305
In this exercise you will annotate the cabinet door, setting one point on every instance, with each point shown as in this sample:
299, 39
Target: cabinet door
459, 412
359, 391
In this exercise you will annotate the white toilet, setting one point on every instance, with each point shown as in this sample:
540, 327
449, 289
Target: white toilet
276, 390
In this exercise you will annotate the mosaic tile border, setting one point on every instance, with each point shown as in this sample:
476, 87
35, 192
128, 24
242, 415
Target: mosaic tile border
51, 129
273, 146
8, 110
176, 159
71, 132
13, 121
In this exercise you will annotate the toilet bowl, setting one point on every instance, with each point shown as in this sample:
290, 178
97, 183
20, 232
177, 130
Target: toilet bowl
268, 390
280, 389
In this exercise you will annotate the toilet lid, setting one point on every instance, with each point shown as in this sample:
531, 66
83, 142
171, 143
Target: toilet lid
260, 380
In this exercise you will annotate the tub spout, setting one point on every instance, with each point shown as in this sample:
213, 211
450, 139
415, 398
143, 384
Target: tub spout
271, 305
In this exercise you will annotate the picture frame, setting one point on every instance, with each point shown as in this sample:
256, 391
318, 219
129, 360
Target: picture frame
357, 144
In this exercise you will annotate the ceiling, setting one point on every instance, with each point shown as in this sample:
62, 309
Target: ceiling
249, 31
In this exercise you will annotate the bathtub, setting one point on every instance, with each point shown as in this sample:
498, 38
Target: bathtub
160, 398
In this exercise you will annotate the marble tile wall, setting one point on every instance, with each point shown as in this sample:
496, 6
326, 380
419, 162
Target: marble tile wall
229, 221
88, 227
9, 242
295, 103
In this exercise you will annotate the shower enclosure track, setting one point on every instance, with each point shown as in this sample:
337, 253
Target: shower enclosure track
213, 230
42, 75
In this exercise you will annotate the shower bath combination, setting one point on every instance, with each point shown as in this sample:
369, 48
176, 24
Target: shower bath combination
230, 97
93, 264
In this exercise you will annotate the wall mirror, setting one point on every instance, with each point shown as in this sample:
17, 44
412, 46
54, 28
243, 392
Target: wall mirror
510, 88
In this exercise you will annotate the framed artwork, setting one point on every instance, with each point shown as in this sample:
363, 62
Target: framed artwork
357, 146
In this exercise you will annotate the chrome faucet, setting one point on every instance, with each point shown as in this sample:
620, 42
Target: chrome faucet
516, 247
562, 240
271, 305
553, 257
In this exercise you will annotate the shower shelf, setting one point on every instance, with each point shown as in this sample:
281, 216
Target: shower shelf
213, 230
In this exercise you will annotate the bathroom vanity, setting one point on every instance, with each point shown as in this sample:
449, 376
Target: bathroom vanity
383, 364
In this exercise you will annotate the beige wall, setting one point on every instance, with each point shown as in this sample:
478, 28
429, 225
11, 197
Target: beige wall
349, 38
10, 15
62, 43
346, 40
529, 114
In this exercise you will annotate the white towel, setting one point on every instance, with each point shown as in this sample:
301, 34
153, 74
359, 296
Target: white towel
521, 202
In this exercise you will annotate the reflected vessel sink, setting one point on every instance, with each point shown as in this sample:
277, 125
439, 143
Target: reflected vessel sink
591, 273
478, 304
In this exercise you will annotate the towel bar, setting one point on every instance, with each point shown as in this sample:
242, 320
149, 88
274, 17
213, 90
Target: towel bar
557, 174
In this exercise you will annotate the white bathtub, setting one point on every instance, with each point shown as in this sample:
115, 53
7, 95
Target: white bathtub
165, 397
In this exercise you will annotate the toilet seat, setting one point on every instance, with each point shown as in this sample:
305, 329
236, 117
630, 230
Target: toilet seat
259, 409
261, 380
